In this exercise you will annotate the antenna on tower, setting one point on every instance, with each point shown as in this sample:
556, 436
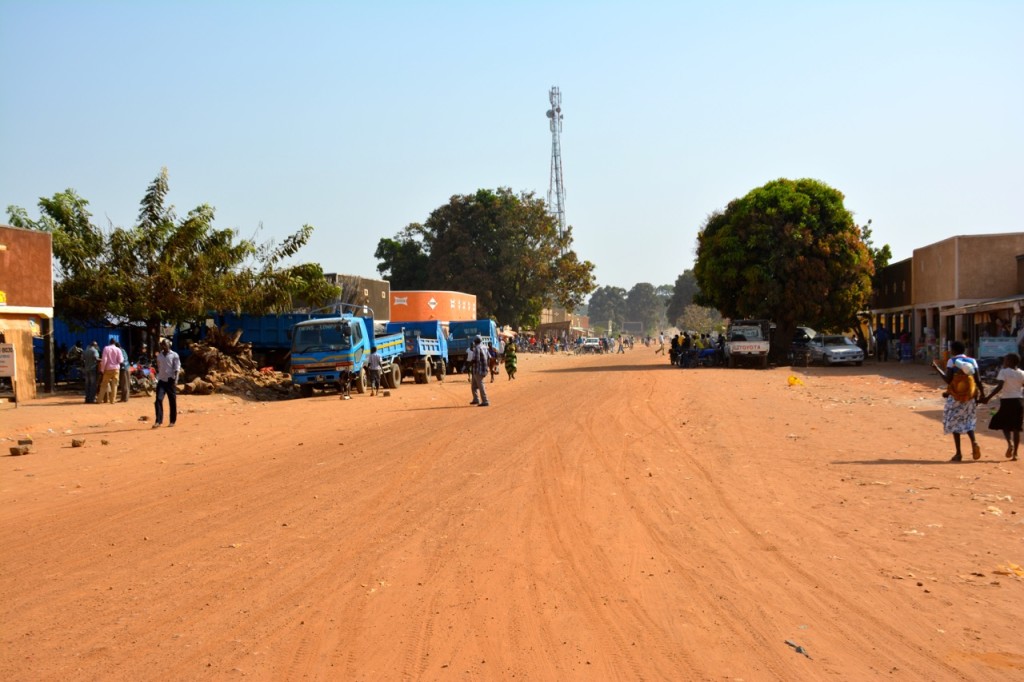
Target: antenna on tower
556, 190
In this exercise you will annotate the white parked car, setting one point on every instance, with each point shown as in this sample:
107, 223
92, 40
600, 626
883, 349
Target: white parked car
835, 349
591, 344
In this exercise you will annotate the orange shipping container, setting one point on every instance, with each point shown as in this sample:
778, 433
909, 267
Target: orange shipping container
443, 306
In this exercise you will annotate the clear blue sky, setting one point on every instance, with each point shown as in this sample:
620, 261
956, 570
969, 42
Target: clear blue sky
361, 117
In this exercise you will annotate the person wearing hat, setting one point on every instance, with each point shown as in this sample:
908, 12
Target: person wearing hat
479, 366
90, 365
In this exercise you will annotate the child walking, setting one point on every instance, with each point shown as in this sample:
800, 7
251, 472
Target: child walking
1010, 417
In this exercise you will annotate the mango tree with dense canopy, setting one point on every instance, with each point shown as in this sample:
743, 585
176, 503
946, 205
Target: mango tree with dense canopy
789, 252
503, 247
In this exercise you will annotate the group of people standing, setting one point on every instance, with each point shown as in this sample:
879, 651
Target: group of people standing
106, 375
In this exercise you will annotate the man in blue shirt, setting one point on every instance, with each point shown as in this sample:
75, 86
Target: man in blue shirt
882, 337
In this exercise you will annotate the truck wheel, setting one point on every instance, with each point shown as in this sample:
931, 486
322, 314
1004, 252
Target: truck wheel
440, 370
306, 390
396, 376
423, 371
360, 381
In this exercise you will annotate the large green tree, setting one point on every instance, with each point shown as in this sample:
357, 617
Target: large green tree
788, 251
402, 260
165, 269
645, 306
503, 247
683, 292
607, 304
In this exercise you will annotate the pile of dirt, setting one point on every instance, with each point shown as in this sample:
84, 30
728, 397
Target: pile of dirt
221, 363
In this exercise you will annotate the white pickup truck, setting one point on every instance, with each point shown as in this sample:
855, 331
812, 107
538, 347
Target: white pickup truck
746, 341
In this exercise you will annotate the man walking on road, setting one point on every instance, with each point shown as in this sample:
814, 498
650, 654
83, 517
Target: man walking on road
661, 344
479, 366
168, 364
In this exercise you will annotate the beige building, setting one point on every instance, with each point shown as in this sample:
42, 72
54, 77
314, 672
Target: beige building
558, 323
363, 291
966, 287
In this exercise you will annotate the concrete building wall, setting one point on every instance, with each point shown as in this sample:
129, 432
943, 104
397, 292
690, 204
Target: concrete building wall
934, 277
988, 265
26, 268
19, 330
895, 286
967, 268
26, 296
356, 290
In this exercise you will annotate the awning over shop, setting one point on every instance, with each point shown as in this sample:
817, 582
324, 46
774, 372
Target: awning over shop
1014, 303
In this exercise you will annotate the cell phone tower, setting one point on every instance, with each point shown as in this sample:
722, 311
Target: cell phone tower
556, 189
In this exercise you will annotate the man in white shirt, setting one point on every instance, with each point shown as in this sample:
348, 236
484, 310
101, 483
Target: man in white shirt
168, 364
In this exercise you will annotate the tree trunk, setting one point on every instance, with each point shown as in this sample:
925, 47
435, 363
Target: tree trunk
781, 342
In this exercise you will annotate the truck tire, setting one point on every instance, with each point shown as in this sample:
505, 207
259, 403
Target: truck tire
440, 370
395, 376
359, 382
423, 371
306, 390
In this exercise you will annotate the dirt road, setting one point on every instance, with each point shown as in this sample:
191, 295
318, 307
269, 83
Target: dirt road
606, 518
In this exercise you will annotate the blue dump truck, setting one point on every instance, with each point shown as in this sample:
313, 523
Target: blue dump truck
332, 353
460, 338
426, 350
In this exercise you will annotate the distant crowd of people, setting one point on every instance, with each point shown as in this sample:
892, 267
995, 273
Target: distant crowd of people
695, 349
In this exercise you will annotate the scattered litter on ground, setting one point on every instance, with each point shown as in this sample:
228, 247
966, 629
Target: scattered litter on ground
1010, 569
797, 648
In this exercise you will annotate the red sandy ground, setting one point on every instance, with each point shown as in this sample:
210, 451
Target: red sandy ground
607, 518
